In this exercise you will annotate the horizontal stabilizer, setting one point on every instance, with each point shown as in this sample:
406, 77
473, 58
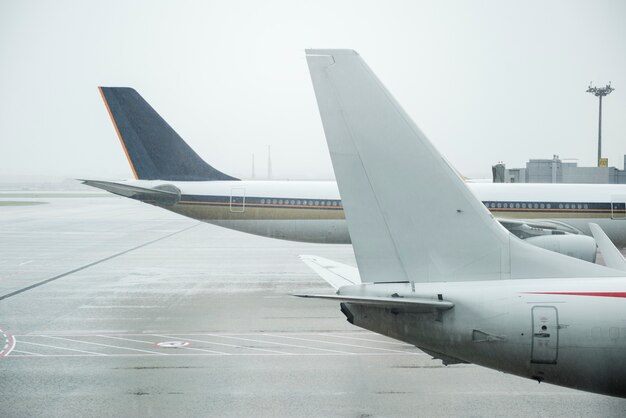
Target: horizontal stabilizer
612, 256
166, 194
404, 304
336, 274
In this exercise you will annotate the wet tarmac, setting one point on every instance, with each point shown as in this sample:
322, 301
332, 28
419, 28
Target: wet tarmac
110, 307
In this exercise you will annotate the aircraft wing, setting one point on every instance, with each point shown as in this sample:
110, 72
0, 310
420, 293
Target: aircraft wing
336, 274
404, 304
147, 195
612, 256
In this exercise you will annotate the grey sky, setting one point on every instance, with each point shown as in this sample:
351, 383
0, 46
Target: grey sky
485, 80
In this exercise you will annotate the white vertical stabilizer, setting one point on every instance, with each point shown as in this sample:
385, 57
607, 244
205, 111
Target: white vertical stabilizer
410, 216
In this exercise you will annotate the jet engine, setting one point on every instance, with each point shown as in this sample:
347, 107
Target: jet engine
578, 246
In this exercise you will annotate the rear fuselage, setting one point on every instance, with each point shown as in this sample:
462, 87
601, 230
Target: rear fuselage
570, 332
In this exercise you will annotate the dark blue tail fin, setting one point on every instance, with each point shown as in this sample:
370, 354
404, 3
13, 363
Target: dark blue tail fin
154, 150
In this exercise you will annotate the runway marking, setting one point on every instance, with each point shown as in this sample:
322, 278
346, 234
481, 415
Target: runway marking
41, 283
152, 343
231, 345
330, 342
62, 348
28, 353
285, 344
9, 343
259, 340
127, 339
26, 262
172, 344
105, 345
206, 351
215, 355
366, 339
120, 307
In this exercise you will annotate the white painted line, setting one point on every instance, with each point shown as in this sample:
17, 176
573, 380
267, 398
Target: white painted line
274, 342
152, 343
216, 355
128, 339
367, 339
105, 345
334, 343
120, 307
172, 344
27, 352
26, 262
207, 351
230, 345
9, 345
61, 348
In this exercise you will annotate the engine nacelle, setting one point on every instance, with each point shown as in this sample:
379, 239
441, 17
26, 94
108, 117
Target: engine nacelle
578, 246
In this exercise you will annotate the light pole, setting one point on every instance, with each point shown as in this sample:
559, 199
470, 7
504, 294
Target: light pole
600, 92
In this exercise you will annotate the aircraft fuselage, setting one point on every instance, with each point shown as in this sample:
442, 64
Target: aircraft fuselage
311, 211
569, 332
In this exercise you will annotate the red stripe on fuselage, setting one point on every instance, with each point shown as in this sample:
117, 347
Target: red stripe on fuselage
600, 294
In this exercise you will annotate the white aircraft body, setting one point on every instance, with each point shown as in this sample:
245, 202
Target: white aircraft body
436, 270
169, 174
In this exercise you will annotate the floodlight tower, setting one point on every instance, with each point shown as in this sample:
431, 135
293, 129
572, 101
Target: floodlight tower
600, 92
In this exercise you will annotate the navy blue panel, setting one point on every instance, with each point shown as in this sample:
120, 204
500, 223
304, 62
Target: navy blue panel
156, 151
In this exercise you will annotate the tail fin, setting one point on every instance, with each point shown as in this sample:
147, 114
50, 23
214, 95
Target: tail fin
154, 150
410, 216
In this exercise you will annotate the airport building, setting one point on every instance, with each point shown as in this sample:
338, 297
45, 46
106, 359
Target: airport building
556, 170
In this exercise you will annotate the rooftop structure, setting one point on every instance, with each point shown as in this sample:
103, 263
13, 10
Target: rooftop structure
556, 170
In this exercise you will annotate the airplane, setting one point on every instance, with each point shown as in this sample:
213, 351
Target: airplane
436, 270
169, 174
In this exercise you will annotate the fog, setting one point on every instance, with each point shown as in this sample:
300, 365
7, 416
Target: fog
487, 81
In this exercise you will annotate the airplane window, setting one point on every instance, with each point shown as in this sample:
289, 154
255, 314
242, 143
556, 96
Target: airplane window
298, 202
280, 201
523, 205
586, 206
310, 203
274, 201
560, 205
334, 203
317, 203
499, 205
567, 206
542, 206
580, 206
548, 205
262, 201
517, 205
505, 205
293, 202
